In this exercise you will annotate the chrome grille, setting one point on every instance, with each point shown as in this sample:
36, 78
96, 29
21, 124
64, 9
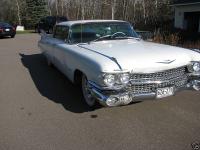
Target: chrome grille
147, 83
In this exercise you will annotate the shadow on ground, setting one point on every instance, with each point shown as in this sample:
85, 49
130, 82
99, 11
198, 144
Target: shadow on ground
53, 84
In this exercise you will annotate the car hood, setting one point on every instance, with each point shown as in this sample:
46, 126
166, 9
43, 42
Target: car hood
141, 56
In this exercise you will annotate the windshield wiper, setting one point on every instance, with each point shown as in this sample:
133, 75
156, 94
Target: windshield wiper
128, 37
111, 37
101, 38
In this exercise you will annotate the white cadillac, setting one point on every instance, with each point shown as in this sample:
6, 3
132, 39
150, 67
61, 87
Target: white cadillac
114, 66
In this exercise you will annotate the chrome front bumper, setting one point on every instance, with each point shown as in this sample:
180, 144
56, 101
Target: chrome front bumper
125, 97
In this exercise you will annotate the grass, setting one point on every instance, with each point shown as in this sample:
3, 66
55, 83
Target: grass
25, 32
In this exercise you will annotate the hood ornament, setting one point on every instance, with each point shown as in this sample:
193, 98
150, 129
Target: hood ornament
166, 61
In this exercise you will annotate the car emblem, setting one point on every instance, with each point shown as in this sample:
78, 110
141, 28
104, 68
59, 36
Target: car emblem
166, 61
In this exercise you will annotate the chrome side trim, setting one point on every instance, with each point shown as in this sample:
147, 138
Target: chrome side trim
94, 85
99, 96
115, 60
196, 50
111, 58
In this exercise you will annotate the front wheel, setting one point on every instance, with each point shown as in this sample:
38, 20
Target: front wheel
87, 96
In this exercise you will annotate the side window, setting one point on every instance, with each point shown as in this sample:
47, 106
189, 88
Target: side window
61, 32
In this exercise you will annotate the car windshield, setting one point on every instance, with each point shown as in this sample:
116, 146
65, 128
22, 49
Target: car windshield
83, 33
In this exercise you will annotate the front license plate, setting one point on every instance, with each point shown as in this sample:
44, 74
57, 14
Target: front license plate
165, 92
7, 30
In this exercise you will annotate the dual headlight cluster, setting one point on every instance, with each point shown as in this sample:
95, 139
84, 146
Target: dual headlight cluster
112, 80
122, 79
195, 67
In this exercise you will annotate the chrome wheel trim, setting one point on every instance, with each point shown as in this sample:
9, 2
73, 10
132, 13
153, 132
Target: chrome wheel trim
90, 101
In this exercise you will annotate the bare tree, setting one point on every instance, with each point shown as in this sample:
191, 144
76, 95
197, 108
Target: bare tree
56, 4
144, 11
113, 9
18, 13
141, 13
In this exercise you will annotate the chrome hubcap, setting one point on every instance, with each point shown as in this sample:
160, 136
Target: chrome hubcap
86, 92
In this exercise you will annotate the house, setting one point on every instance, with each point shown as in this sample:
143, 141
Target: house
187, 15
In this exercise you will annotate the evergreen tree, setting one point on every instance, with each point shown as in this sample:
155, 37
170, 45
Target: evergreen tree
36, 9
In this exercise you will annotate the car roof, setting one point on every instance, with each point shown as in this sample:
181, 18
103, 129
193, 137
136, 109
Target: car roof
71, 23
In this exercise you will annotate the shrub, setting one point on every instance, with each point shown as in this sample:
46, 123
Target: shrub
191, 45
175, 39
166, 38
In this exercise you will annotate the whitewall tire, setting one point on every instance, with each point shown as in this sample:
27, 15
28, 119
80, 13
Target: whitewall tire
87, 96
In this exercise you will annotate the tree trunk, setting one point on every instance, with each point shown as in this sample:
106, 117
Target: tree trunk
56, 7
144, 11
113, 9
49, 8
83, 11
62, 6
18, 13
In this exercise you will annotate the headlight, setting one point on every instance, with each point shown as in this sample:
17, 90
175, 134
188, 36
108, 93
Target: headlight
124, 78
116, 79
196, 67
109, 80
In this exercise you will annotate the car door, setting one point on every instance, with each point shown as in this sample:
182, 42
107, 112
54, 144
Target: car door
61, 51
46, 45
